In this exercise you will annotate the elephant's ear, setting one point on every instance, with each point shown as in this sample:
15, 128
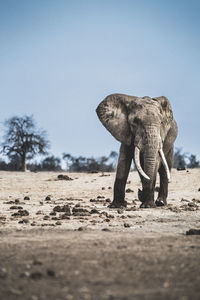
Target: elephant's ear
166, 109
112, 112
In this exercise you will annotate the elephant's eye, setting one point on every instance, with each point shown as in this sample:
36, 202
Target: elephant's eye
137, 120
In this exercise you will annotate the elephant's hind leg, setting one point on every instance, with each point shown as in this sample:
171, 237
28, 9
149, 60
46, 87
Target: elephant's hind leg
123, 167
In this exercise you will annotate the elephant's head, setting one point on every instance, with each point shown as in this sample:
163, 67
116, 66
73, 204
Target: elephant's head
143, 122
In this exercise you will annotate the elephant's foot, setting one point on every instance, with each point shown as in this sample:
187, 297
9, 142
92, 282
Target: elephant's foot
118, 204
148, 204
161, 201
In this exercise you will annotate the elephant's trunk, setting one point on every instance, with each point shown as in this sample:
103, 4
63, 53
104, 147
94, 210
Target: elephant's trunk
150, 144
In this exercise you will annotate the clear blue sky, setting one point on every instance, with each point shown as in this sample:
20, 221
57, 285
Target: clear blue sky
59, 59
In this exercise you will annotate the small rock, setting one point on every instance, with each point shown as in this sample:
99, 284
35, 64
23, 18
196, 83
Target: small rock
120, 211
64, 177
79, 211
94, 211
24, 221
37, 262
126, 225
80, 229
26, 198
51, 273
199, 190
129, 191
20, 213
193, 231
36, 275
25, 274
3, 273
58, 223
100, 197
65, 216
109, 188
48, 198
105, 229
16, 201
46, 218
16, 207
92, 200
108, 200
64, 208
53, 213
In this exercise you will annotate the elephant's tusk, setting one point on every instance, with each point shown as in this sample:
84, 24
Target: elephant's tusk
165, 163
137, 163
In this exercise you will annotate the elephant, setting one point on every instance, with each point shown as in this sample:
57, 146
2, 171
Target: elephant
147, 130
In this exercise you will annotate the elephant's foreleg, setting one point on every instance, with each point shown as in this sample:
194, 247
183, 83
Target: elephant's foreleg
123, 167
163, 191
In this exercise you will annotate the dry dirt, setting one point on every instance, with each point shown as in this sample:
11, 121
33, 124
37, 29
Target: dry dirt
59, 239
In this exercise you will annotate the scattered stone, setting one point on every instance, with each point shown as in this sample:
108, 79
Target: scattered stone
92, 200
120, 211
24, 221
104, 175
15, 292
51, 273
174, 209
105, 229
157, 189
58, 223
65, 217
46, 218
37, 262
129, 191
126, 225
193, 231
103, 188
100, 197
109, 188
36, 275
3, 273
199, 190
16, 201
77, 205
132, 208
20, 213
128, 182
107, 220
48, 198
94, 211
79, 211
181, 169
55, 218
64, 177
53, 213
26, 198
108, 200
16, 207
80, 229
25, 274
39, 212
64, 208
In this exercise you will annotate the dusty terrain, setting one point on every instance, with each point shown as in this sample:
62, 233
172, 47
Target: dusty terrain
59, 240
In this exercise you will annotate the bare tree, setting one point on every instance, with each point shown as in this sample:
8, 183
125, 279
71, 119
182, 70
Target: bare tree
23, 139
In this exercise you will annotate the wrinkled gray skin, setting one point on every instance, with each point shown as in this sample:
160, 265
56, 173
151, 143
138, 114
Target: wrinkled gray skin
148, 124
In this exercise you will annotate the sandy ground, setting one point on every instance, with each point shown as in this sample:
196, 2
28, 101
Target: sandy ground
59, 240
